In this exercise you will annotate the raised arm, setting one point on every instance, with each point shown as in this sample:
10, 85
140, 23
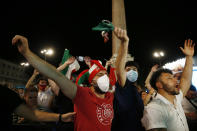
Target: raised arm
67, 87
66, 63
32, 78
111, 63
122, 54
186, 76
147, 81
55, 88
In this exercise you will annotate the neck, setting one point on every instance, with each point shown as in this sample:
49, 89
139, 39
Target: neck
96, 93
168, 96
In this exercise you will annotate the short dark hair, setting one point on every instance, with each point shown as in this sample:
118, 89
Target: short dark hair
156, 75
132, 63
42, 78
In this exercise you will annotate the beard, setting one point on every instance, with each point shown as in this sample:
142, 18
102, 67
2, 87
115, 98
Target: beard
175, 90
97, 89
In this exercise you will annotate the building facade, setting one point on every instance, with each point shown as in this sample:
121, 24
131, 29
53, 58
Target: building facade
12, 74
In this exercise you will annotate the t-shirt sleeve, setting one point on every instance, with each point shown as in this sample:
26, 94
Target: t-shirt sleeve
12, 99
153, 118
80, 95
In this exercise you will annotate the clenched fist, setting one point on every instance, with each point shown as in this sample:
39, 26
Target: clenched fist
22, 43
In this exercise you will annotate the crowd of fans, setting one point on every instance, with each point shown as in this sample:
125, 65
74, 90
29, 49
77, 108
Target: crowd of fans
106, 98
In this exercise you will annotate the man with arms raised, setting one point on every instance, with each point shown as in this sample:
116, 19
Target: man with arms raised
94, 105
165, 112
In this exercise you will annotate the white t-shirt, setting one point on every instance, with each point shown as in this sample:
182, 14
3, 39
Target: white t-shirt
160, 113
44, 99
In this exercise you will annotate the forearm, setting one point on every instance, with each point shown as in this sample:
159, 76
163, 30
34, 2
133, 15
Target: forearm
120, 63
147, 99
30, 81
186, 76
147, 81
45, 116
54, 87
67, 87
60, 68
35, 115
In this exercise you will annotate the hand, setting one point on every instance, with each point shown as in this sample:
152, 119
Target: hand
121, 34
68, 117
21, 42
154, 68
36, 72
188, 48
111, 62
70, 60
151, 91
148, 86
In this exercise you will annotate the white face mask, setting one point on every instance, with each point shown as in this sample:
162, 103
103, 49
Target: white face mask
103, 83
132, 76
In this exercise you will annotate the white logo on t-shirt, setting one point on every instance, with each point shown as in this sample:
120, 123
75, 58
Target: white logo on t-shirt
105, 114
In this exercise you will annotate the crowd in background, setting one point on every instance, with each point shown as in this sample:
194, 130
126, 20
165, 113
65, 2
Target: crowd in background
110, 97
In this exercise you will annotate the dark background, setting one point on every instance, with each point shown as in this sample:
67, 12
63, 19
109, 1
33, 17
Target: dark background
152, 25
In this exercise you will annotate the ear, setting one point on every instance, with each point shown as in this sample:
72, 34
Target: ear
93, 82
159, 85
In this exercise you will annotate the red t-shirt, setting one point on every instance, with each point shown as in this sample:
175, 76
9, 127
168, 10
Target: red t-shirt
92, 113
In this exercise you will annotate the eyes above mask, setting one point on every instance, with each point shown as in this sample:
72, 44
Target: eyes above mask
132, 76
103, 83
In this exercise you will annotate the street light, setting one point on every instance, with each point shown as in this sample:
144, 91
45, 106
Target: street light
25, 64
159, 55
47, 52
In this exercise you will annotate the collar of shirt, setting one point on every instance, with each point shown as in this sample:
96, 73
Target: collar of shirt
164, 100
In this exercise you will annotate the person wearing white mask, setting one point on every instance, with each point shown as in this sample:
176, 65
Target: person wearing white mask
94, 105
128, 104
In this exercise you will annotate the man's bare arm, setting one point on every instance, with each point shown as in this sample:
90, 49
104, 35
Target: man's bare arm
122, 54
147, 81
66, 63
67, 86
186, 76
31, 79
55, 88
36, 115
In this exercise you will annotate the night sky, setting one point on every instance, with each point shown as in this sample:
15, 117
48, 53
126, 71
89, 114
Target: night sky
151, 25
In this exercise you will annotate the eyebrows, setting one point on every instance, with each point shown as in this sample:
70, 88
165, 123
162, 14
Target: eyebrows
101, 73
167, 76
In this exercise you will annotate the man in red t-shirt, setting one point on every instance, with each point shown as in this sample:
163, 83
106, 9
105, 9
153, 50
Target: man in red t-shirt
94, 105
